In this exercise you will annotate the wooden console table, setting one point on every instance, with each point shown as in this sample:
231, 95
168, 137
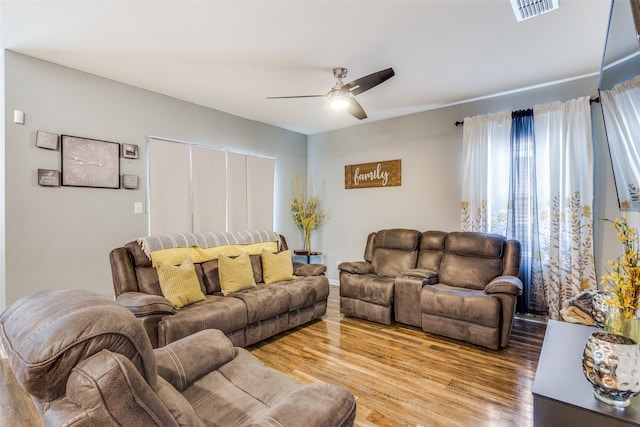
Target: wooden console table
562, 396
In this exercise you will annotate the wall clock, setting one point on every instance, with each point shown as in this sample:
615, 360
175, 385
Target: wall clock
90, 162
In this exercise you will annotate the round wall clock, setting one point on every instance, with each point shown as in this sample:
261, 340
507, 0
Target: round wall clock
90, 162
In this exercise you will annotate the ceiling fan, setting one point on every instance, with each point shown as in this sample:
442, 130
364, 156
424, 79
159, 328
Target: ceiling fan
342, 95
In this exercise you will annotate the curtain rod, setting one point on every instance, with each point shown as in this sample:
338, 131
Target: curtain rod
591, 101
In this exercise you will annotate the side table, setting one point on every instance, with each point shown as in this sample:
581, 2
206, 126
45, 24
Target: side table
308, 254
562, 396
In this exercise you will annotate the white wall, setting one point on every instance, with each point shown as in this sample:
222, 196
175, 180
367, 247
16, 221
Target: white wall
430, 148
61, 237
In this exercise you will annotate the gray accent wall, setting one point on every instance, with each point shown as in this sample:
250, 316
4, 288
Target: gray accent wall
61, 237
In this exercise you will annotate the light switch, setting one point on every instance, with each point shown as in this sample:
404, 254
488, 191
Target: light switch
18, 117
137, 207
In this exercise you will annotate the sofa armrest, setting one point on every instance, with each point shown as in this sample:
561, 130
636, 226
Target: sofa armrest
142, 304
504, 285
311, 404
300, 269
356, 267
186, 360
429, 277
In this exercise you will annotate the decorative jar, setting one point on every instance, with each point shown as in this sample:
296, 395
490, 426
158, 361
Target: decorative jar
611, 363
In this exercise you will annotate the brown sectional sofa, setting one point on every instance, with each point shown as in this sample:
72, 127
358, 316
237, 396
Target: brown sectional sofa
462, 285
246, 317
86, 361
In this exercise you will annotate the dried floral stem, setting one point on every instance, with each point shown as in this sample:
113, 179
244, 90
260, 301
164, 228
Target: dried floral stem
624, 273
306, 212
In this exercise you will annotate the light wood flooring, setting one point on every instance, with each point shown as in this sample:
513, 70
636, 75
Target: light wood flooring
400, 375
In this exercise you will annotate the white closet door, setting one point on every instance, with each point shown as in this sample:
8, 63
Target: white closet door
209, 181
169, 187
237, 218
260, 179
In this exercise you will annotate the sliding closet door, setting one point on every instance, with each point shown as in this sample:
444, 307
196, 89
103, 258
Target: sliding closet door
260, 179
209, 181
169, 187
198, 189
237, 218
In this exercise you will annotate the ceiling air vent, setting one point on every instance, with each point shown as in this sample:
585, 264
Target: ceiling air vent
525, 9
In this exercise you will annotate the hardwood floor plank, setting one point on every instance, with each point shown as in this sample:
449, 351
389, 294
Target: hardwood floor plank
400, 375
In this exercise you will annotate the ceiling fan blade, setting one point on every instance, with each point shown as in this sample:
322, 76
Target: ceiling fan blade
295, 96
355, 109
367, 82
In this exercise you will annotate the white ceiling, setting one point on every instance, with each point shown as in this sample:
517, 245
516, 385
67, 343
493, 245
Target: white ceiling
231, 55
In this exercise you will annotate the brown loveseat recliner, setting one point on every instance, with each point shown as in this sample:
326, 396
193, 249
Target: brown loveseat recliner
87, 361
246, 317
462, 285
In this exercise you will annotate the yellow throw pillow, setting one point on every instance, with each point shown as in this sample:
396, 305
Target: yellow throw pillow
236, 274
179, 284
276, 267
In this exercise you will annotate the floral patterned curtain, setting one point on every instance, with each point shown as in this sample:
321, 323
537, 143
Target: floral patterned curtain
562, 264
564, 151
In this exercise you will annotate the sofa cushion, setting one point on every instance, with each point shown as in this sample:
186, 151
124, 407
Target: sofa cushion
239, 391
431, 250
211, 276
179, 284
393, 262
305, 291
216, 312
369, 288
264, 302
475, 244
406, 240
276, 267
395, 251
461, 304
471, 260
236, 274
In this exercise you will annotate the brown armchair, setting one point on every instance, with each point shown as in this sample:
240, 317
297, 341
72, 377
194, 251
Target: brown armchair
87, 361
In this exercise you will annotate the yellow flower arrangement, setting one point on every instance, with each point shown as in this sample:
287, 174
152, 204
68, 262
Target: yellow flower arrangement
623, 278
306, 213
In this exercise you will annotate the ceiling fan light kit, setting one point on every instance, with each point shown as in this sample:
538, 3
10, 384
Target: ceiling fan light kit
339, 99
342, 95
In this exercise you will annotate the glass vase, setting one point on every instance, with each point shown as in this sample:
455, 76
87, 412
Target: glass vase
615, 321
307, 240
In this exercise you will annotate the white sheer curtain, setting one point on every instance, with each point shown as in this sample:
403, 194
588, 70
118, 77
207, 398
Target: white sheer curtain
621, 108
564, 163
485, 176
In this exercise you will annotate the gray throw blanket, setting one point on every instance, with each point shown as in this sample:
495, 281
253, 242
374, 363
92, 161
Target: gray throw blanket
205, 240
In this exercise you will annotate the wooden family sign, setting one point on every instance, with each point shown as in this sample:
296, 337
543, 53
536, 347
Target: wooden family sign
376, 174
